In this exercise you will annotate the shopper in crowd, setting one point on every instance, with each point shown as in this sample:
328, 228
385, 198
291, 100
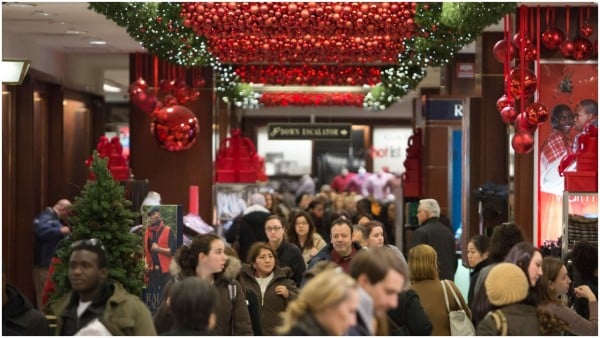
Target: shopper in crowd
306, 185
318, 268
288, 255
529, 259
19, 318
193, 303
502, 240
432, 232
477, 259
422, 263
274, 204
381, 275
555, 287
95, 302
205, 258
360, 235
388, 218
409, 318
341, 249
316, 209
326, 306
302, 233
362, 219
585, 272
159, 246
249, 227
363, 209
272, 283
49, 228
506, 288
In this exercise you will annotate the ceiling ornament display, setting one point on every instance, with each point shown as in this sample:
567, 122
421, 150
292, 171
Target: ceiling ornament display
272, 99
309, 75
427, 35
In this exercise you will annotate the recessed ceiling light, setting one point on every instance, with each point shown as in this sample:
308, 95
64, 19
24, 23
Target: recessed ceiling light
19, 4
73, 31
42, 13
97, 42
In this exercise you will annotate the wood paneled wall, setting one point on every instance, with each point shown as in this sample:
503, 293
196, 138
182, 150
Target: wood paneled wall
171, 173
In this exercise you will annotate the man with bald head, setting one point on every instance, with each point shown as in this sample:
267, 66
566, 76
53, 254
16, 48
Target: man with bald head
49, 228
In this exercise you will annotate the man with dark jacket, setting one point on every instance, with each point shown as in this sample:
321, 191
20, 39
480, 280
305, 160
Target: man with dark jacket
95, 301
341, 249
434, 233
19, 318
249, 227
288, 255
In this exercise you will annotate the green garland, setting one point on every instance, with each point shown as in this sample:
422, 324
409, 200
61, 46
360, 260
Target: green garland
443, 30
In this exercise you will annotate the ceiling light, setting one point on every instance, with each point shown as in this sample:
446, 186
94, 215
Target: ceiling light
110, 88
97, 42
73, 31
20, 4
13, 71
42, 13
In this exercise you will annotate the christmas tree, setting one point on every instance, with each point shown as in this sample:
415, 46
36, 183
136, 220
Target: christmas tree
103, 212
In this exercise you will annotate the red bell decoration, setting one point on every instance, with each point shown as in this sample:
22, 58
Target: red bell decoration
509, 114
175, 128
567, 47
552, 38
536, 113
529, 82
522, 142
582, 49
523, 124
504, 101
500, 49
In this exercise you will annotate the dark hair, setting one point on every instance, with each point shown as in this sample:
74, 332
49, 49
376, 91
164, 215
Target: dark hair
481, 243
363, 206
503, 238
551, 267
585, 259
93, 245
589, 106
318, 200
192, 301
291, 234
375, 264
557, 111
187, 256
255, 250
361, 215
279, 218
521, 255
370, 225
340, 221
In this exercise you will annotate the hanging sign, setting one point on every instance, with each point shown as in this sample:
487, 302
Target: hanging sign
310, 131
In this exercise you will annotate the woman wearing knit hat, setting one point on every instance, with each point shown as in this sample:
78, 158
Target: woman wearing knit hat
506, 287
555, 283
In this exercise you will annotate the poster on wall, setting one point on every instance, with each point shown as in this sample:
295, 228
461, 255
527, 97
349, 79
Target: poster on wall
161, 233
562, 86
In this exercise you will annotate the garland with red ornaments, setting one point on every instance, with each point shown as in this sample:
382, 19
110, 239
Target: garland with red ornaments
309, 75
273, 99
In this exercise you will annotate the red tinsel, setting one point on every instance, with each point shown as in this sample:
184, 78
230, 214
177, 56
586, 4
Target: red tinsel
302, 31
306, 75
311, 99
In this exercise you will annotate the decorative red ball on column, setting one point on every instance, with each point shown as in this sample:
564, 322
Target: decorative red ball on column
582, 49
566, 48
509, 114
529, 83
523, 124
175, 128
536, 113
522, 142
504, 101
552, 38
586, 29
500, 50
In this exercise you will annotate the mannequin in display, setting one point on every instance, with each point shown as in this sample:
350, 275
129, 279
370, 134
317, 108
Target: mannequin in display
357, 183
376, 185
340, 181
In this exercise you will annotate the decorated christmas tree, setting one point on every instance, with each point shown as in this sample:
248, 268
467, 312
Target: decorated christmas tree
103, 212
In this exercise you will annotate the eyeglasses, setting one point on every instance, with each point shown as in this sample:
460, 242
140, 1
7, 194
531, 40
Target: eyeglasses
301, 223
273, 229
92, 242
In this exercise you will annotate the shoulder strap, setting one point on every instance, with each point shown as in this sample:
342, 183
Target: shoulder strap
445, 296
500, 321
454, 295
231, 287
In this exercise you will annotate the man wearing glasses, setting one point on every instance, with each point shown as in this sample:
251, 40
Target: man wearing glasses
287, 253
98, 305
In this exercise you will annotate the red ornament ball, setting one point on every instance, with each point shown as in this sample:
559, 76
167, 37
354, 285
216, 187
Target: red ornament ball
552, 38
504, 101
175, 128
582, 49
523, 124
521, 41
529, 82
586, 29
500, 50
536, 113
567, 47
509, 114
522, 142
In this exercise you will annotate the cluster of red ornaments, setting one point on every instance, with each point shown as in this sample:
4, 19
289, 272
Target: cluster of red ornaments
302, 31
305, 75
312, 99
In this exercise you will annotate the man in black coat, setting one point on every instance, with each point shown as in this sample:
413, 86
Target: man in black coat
434, 233
249, 227
19, 318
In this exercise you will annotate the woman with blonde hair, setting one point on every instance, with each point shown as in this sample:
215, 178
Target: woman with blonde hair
326, 306
423, 271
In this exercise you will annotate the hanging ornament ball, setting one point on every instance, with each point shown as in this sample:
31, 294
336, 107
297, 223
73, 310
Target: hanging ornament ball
552, 38
140, 83
566, 48
582, 49
522, 123
536, 113
529, 82
500, 49
144, 101
522, 142
529, 52
521, 41
175, 128
586, 29
508, 114
504, 101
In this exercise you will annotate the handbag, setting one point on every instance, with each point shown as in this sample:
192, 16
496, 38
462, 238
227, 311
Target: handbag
460, 323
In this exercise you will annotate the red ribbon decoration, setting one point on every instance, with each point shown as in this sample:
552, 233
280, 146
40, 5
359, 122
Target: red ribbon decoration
538, 50
522, 34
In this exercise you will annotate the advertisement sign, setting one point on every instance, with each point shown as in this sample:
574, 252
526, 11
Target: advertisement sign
389, 148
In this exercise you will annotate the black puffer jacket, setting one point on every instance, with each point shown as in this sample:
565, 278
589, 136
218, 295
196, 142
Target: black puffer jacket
19, 318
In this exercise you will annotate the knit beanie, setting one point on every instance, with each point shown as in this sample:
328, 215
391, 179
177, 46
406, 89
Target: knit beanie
506, 284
